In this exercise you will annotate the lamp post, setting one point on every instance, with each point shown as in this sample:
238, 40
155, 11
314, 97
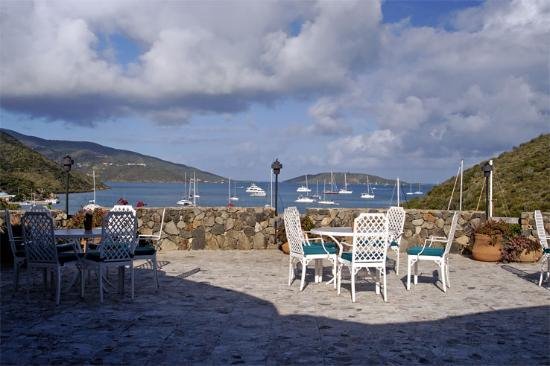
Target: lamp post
487, 172
276, 166
67, 165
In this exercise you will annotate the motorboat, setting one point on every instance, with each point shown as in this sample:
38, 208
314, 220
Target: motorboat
255, 191
252, 188
304, 199
304, 189
185, 202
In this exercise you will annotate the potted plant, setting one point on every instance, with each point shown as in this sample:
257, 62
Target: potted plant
488, 240
521, 249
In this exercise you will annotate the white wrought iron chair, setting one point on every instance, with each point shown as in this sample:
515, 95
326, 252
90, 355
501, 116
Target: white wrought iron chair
118, 241
148, 252
543, 238
17, 249
39, 208
439, 255
396, 222
41, 251
304, 250
123, 208
369, 249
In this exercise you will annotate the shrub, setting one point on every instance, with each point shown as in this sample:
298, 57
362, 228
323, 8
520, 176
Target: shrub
513, 247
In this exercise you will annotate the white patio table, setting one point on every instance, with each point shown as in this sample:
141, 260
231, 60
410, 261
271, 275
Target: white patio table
333, 233
77, 234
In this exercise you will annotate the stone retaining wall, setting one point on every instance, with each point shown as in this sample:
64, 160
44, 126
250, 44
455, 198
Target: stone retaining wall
527, 222
253, 228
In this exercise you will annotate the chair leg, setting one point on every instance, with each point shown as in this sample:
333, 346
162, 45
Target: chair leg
290, 270
352, 272
132, 279
154, 260
397, 262
16, 266
304, 266
82, 282
416, 273
443, 272
447, 273
408, 273
377, 285
385, 291
334, 272
100, 282
58, 287
339, 278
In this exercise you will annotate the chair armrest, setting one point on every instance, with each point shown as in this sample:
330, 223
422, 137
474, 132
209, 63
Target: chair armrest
153, 237
312, 239
437, 239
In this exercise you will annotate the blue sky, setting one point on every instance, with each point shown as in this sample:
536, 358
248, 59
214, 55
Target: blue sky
398, 88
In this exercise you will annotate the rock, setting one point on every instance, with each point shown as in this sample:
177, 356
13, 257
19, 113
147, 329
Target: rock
218, 229
146, 231
408, 233
428, 225
229, 224
170, 228
259, 241
326, 221
167, 244
199, 239
417, 230
218, 220
180, 225
440, 223
428, 217
418, 222
257, 227
150, 224
209, 221
248, 231
463, 240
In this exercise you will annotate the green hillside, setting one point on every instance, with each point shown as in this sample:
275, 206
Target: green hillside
352, 178
521, 183
113, 164
25, 172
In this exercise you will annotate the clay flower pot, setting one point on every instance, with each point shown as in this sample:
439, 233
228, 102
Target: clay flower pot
284, 248
486, 250
532, 256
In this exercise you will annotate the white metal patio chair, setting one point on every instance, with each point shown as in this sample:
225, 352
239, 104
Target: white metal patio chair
148, 252
123, 208
304, 249
439, 255
17, 249
543, 238
41, 251
396, 222
369, 249
118, 242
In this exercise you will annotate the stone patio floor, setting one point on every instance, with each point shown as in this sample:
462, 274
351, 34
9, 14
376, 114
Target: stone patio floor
235, 307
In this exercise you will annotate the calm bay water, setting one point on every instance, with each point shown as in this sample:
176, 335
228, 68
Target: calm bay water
215, 195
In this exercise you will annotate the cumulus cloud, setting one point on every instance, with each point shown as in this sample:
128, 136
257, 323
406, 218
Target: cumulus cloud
198, 57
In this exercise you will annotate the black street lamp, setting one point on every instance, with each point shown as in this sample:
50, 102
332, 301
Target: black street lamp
67, 165
487, 168
276, 167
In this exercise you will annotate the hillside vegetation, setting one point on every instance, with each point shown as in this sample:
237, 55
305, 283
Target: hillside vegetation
352, 178
521, 182
25, 172
113, 164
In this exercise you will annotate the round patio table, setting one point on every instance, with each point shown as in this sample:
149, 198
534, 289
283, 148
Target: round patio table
333, 233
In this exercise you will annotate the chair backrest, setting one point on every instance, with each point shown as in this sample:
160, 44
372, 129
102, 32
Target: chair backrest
39, 208
9, 229
396, 222
159, 235
451, 236
118, 236
123, 208
38, 237
541, 232
370, 238
293, 230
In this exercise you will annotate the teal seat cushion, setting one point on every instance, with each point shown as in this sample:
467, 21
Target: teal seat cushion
313, 248
68, 257
93, 255
546, 250
435, 252
67, 247
347, 256
144, 250
394, 244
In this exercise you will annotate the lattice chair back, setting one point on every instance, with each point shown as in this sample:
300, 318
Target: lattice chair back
123, 208
119, 236
541, 232
370, 238
293, 229
396, 222
452, 231
39, 208
38, 237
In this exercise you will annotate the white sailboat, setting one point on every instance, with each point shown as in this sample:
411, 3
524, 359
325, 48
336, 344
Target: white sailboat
333, 187
410, 192
324, 201
316, 195
186, 201
233, 197
304, 189
304, 199
345, 190
419, 191
369, 194
93, 176
92, 203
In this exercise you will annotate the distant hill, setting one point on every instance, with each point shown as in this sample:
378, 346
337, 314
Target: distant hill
521, 182
112, 164
352, 178
25, 172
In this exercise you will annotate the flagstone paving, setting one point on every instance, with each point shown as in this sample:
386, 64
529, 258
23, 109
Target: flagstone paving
235, 307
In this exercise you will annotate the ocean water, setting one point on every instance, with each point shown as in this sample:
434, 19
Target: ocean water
216, 195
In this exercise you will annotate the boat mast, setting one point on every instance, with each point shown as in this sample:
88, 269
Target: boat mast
461, 179
397, 191
194, 189
491, 190
93, 174
271, 187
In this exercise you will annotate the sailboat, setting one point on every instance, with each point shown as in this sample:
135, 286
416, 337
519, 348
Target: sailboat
93, 175
419, 191
324, 201
410, 192
333, 188
304, 189
185, 201
233, 197
92, 203
316, 195
345, 190
369, 194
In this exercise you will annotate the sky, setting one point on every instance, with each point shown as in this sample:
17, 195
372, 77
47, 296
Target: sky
392, 88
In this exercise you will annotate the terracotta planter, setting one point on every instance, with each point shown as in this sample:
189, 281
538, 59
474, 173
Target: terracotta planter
532, 256
484, 250
284, 248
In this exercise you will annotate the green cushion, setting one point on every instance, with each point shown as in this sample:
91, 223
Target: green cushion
394, 244
67, 247
347, 256
546, 250
93, 255
145, 250
69, 257
312, 248
435, 252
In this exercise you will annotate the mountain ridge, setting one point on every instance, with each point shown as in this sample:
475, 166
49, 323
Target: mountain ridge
352, 178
